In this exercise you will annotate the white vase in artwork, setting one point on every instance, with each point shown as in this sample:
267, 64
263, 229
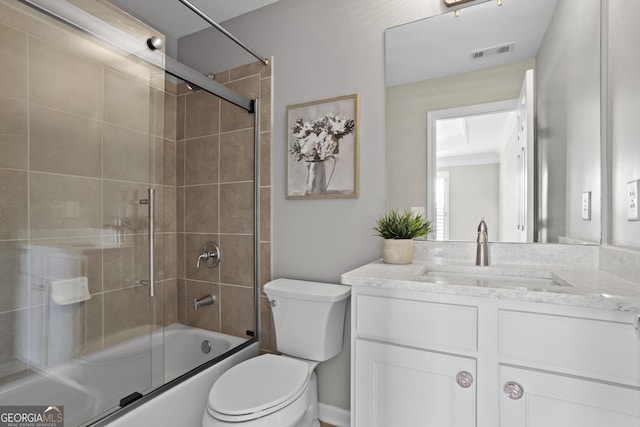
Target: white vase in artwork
316, 178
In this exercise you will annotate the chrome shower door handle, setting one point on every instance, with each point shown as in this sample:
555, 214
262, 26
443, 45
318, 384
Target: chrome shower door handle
150, 202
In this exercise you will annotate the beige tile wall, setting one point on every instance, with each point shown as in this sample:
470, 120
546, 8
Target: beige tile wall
81, 132
213, 176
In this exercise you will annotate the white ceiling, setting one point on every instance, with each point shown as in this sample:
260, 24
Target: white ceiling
176, 20
441, 45
473, 139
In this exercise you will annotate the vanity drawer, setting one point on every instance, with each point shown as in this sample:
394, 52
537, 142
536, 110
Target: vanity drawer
422, 324
600, 349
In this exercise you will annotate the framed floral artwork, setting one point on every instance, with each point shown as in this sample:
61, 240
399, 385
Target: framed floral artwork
322, 148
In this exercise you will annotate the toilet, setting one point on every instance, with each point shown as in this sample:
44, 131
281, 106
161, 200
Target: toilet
282, 390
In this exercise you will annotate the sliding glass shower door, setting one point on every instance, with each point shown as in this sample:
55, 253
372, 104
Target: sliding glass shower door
81, 144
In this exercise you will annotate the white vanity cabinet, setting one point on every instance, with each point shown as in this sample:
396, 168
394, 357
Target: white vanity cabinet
400, 386
429, 359
408, 369
580, 370
553, 400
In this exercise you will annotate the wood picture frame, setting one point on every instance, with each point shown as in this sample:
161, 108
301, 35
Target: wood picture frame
323, 148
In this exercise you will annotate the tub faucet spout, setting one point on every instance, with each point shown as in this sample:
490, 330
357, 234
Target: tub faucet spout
482, 252
205, 300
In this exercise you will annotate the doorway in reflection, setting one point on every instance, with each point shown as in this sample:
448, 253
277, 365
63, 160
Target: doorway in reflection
482, 161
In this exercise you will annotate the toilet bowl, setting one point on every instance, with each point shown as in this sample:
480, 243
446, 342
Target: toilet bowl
282, 390
267, 390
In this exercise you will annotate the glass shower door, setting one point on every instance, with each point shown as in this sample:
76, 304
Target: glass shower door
81, 126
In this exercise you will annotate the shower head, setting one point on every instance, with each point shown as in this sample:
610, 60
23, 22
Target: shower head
195, 88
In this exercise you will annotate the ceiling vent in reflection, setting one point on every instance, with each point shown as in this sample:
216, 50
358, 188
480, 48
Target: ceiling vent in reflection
489, 52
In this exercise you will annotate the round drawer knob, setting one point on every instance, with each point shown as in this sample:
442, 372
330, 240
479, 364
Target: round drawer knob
513, 390
464, 379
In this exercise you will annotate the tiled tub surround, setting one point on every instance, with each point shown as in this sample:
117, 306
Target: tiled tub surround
209, 165
599, 276
81, 137
71, 175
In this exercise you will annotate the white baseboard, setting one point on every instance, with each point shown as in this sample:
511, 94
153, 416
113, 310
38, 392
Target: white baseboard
333, 415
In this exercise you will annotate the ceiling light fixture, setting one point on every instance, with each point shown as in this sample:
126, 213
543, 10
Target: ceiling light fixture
452, 3
456, 5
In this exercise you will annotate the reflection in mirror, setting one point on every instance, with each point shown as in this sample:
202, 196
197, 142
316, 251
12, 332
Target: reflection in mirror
477, 156
444, 76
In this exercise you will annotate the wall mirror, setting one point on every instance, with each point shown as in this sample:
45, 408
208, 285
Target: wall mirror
495, 113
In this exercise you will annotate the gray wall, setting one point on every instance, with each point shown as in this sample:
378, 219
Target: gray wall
624, 93
568, 113
322, 49
473, 192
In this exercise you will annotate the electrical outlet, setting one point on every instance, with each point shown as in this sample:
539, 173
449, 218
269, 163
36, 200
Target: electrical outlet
633, 213
586, 205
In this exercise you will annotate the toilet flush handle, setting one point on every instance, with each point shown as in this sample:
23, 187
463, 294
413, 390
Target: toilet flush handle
273, 303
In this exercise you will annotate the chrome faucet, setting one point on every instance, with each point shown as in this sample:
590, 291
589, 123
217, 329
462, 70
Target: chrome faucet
210, 254
205, 300
482, 252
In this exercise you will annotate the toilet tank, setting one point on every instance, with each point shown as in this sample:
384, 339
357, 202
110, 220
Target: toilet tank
308, 317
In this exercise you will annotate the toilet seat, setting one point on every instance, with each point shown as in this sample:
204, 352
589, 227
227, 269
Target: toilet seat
258, 387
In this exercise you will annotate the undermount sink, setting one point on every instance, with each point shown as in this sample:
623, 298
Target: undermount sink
512, 277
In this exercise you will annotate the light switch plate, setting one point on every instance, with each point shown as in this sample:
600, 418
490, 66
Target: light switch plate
586, 205
633, 213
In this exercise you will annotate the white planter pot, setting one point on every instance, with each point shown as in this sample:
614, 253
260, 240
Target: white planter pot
397, 251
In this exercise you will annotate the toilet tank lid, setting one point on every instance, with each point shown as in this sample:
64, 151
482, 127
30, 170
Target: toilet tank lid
306, 290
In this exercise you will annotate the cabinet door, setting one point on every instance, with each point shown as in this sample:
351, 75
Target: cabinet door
553, 400
398, 386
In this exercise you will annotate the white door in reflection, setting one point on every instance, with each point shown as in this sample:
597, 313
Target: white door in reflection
442, 206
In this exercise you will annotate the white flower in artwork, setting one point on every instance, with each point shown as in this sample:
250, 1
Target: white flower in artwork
318, 140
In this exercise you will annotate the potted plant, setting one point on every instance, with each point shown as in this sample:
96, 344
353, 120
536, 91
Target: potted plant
398, 230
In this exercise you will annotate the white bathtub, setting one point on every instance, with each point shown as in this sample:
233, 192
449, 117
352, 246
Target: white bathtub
183, 351
184, 404
88, 386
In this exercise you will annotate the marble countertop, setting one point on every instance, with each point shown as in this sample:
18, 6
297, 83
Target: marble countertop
582, 287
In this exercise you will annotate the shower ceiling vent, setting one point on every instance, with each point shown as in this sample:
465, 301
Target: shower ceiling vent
504, 49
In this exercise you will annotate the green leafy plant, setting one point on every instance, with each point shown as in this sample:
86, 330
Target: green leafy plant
407, 225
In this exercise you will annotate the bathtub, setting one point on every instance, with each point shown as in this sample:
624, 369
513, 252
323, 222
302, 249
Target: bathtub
183, 348
89, 386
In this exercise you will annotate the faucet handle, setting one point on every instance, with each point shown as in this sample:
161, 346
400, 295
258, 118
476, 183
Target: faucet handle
482, 226
210, 251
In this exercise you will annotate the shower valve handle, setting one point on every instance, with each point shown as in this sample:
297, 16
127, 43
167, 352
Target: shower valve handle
210, 253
